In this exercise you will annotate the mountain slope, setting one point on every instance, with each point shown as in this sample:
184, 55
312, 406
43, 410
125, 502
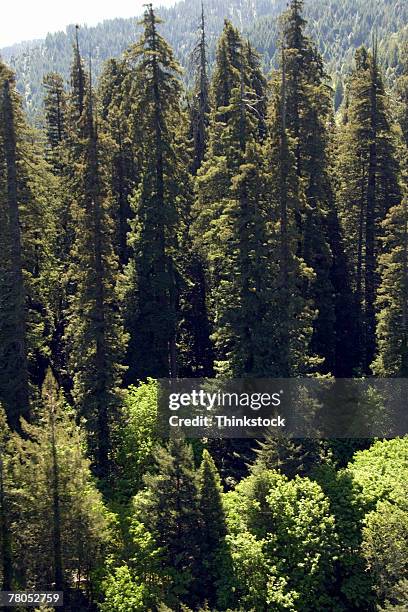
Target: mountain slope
338, 26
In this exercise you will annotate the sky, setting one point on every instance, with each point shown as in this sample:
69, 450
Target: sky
29, 19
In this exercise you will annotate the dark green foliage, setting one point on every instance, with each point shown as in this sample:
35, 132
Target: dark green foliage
152, 269
288, 456
14, 392
367, 172
93, 318
307, 102
168, 508
55, 109
212, 528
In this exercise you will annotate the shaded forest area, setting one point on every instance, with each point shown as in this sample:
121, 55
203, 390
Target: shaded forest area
241, 229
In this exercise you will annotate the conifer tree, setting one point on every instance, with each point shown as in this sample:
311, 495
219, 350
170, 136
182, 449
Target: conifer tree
308, 107
231, 225
392, 297
158, 204
200, 106
194, 338
289, 456
79, 85
237, 65
402, 94
55, 107
293, 313
168, 507
212, 527
60, 525
58, 148
117, 123
368, 187
94, 334
14, 391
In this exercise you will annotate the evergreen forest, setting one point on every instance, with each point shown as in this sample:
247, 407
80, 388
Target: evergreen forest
237, 224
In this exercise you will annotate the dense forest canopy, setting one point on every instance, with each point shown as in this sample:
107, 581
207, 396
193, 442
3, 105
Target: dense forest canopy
231, 228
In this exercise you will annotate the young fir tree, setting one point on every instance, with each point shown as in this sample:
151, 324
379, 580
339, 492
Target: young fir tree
158, 203
237, 65
212, 527
60, 525
14, 390
257, 101
94, 334
367, 172
308, 107
168, 507
57, 111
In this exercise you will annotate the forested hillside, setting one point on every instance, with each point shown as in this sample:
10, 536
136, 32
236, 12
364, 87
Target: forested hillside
338, 26
236, 230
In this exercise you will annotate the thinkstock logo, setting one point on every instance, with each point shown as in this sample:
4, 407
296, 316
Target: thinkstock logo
299, 408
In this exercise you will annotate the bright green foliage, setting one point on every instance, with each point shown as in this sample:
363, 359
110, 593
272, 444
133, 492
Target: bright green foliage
392, 298
380, 471
137, 438
368, 187
288, 525
353, 587
385, 546
122, 593
380, 477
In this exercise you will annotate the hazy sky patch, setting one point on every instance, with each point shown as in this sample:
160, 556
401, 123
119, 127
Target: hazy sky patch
34, 18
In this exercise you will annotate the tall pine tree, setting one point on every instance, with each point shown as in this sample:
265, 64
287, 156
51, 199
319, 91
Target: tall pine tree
14, 391
94, 333
158, 202
368, 187
308, 105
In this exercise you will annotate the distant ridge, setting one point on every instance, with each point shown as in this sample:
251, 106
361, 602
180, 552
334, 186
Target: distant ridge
338, 26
